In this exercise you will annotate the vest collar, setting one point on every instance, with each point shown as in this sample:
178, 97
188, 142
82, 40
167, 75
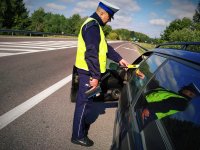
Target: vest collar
96, 17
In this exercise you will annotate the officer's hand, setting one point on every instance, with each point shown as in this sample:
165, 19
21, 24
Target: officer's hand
145, 113
123, 63
93, 83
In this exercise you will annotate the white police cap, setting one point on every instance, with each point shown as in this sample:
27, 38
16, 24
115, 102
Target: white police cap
108, 7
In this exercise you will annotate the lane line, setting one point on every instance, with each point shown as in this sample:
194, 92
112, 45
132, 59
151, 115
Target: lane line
28, 52
16, 112
62, 47
131, 49
43, 46
24, 46
41, 49
120, 46
38, 42
40, 45
13, 49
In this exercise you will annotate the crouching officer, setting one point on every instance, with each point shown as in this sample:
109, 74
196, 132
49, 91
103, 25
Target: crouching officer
92, 53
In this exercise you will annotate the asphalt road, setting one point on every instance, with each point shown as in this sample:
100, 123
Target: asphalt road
35, 107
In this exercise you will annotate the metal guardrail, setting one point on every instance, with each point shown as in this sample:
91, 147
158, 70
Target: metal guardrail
30, 33
183, 44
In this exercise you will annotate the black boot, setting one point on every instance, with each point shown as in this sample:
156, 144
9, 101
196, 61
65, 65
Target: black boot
84, 141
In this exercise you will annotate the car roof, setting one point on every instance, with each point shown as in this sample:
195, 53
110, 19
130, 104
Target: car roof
183, 54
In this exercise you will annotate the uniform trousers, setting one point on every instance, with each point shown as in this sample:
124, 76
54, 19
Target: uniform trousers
82, 120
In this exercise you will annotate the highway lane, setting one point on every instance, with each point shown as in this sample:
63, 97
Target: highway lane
19, 39
48, 124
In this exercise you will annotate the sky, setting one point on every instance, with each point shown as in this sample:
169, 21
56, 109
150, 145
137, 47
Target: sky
150, 17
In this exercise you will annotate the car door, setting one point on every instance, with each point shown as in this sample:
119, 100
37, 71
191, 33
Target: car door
179, 127
127, 130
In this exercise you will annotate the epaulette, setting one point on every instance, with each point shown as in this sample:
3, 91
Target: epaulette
91, 23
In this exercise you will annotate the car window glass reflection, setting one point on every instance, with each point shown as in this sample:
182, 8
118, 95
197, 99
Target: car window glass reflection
162, 102
173, 97
170, 91
144, 73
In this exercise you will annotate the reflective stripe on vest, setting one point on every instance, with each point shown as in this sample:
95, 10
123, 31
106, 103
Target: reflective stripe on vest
80, 56
160, 94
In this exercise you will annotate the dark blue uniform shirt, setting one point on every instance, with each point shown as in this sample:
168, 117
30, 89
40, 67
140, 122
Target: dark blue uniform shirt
91, 36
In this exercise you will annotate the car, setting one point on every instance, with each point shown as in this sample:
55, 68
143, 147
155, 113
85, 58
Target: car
159, 105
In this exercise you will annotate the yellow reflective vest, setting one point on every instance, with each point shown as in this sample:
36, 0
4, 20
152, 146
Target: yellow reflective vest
103, 49
160, 94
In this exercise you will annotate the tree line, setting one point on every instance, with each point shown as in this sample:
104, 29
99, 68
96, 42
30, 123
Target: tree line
183, 29
14, 15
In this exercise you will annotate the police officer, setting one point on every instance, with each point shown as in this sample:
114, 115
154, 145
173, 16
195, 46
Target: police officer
92, 53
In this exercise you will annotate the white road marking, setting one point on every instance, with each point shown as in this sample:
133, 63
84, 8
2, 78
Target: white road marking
132, 49
16, 112
38, 42
62, 47
13, 49
36, 51
33, 46
25, 46
28, 52
120, 46
47, 44
36, 46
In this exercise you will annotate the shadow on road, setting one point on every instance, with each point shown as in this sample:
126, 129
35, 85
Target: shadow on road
98, 108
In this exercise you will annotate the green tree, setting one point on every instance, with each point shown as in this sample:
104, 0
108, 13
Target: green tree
124, 34
132, 34
21, 19
185, 35
38, 20
196, 26
107, 29
177, 24
142, 37
82, 20
196, 17
158, 41
54, 23
113, 36
48, 22
13, 14
73, 24
62, 24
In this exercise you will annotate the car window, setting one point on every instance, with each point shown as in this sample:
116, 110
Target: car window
147, 67
173, 97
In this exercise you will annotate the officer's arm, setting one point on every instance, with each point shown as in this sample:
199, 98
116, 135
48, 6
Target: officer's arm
172, 103
113, 55
91, 36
